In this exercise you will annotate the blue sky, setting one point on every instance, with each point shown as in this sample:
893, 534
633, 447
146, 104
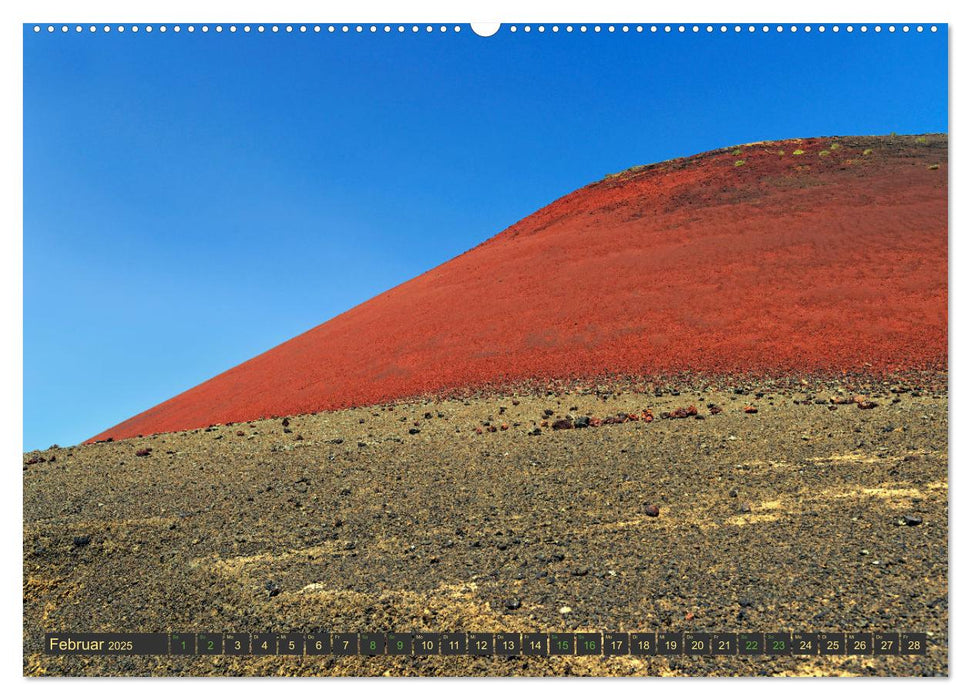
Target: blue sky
191, 200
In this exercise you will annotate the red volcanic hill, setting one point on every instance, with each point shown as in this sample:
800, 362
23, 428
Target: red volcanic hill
806, 256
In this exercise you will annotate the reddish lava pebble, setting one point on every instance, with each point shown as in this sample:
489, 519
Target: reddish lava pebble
787, 264
651, 510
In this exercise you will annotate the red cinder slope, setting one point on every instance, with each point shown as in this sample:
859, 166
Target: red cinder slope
803, 256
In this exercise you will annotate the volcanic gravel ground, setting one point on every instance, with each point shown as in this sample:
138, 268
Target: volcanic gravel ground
406, 518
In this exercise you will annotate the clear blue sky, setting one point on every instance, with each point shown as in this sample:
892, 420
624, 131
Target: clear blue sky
191, 200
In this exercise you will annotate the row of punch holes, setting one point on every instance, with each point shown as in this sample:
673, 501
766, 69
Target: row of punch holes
485, 31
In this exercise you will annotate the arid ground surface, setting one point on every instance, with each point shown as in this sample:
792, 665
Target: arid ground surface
418, 517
